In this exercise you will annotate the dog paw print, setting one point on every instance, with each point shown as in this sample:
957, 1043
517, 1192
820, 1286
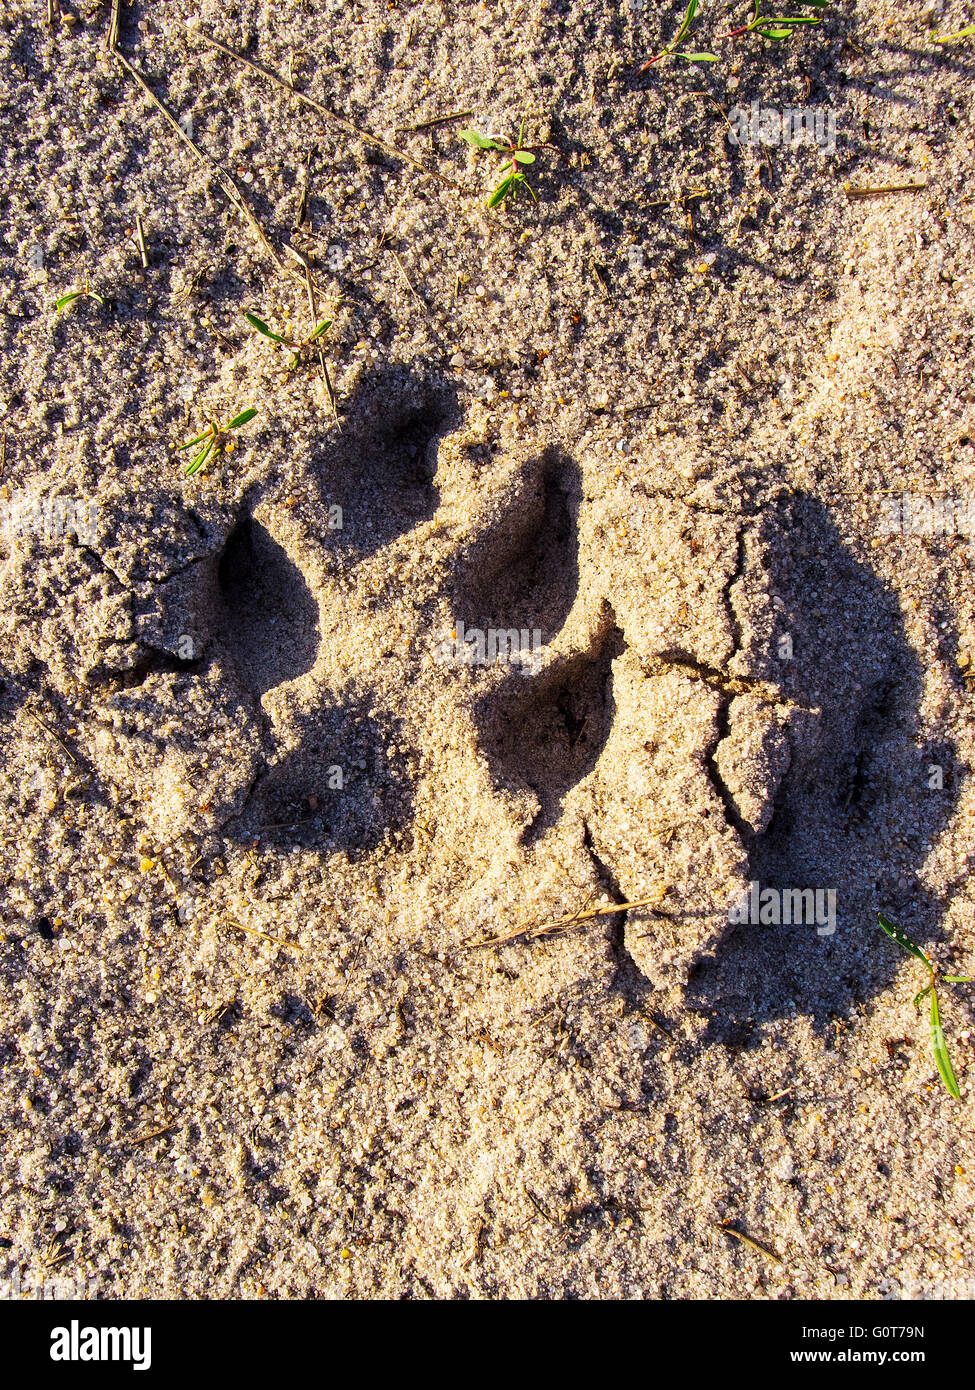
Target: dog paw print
489, 661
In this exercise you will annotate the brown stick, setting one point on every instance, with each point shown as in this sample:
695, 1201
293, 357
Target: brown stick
430, 125
112, 41
51, 734
305, 263
227, 184
564, 923
140, 241
277, 940
326, 111
144, 1138
913, 187
747, 1240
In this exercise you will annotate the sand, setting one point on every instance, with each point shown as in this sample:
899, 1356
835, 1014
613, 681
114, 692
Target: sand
256, 815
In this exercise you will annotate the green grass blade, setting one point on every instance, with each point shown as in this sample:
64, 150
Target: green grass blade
190, 442
322, 328
957, 979
242, 418
965, 33
921, 995
902, 939
940, 1051
67, 299
501, 192
688, 21
200, 459
262, 327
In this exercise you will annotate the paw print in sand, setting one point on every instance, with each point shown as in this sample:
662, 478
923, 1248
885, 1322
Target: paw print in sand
339, 669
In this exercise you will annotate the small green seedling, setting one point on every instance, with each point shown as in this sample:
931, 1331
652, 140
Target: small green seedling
513, 178
85, 293
941, 1057
966, 33
298, 349
679, 38
214, 437
777, 28
780, 27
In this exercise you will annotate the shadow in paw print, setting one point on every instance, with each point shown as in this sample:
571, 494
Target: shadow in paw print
380, 469
857, 809
547, 733
525, 572
269, 619
346, 786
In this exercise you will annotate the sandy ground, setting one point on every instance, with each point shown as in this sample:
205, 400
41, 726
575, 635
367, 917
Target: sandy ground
252, 822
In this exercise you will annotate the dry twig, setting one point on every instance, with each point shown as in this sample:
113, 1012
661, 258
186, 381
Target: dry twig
227, 184
326, 111
564, 923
